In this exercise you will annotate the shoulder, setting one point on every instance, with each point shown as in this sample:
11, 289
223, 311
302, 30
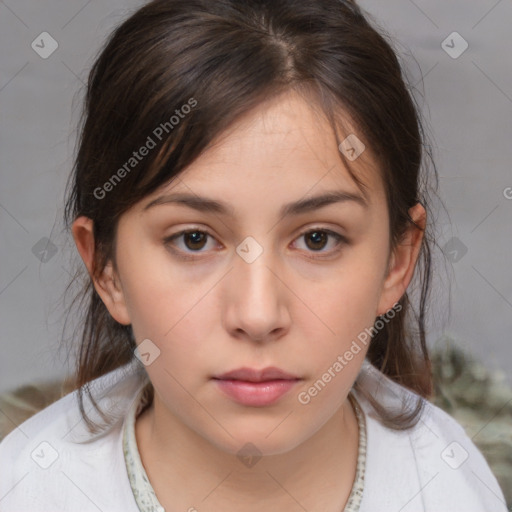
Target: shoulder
53, 462
431, 467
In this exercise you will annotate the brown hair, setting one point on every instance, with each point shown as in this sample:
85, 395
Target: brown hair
222, 58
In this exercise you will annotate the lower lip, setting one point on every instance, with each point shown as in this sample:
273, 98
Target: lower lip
256, 394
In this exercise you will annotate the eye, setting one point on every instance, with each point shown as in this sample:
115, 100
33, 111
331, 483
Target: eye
318, 239
194, 240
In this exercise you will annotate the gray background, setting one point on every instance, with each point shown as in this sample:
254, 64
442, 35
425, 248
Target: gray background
466, 101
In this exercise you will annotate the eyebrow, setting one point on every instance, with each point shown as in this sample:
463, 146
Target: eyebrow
208, 205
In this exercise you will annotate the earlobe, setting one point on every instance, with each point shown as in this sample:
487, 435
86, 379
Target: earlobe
107, 283
403, 261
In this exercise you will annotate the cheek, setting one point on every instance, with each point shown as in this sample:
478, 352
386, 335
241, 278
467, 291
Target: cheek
156, 293
177, 317
336, 356
345, 308
347, 298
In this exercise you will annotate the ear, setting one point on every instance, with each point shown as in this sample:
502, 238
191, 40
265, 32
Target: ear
107, 284
403, 261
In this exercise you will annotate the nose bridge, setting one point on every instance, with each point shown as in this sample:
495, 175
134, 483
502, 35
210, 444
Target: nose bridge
252, 270
257, 304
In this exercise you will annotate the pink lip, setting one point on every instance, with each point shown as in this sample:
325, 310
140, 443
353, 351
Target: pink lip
253, 375
256, 388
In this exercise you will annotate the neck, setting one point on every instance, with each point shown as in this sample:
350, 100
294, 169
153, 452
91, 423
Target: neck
188, 471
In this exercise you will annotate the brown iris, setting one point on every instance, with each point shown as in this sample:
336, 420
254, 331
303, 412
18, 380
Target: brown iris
197, 239
318, 238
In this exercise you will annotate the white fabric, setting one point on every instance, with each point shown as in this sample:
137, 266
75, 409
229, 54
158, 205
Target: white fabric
145, 495
406, 471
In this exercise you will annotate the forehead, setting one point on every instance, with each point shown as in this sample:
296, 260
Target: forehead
284, 145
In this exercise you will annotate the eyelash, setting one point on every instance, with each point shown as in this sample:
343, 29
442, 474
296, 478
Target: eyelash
340, 241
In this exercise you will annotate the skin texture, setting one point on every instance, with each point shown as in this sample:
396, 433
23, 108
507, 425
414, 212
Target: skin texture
217, 312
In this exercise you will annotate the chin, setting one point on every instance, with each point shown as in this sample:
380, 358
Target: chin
250, 442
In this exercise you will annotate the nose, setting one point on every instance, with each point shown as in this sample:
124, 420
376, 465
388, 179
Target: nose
256, 306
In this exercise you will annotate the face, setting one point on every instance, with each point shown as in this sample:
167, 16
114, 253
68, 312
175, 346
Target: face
263, 278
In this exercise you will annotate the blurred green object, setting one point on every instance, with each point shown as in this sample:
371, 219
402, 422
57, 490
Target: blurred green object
481, 401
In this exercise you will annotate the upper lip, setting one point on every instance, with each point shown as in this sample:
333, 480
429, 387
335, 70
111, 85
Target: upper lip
253, 375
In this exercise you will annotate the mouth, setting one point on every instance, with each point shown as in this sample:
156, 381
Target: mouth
256, 388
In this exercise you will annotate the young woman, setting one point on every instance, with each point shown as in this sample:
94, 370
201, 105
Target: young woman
248, 201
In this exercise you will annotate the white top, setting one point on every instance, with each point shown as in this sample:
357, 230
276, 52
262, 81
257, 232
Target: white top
52, 463
145, 495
